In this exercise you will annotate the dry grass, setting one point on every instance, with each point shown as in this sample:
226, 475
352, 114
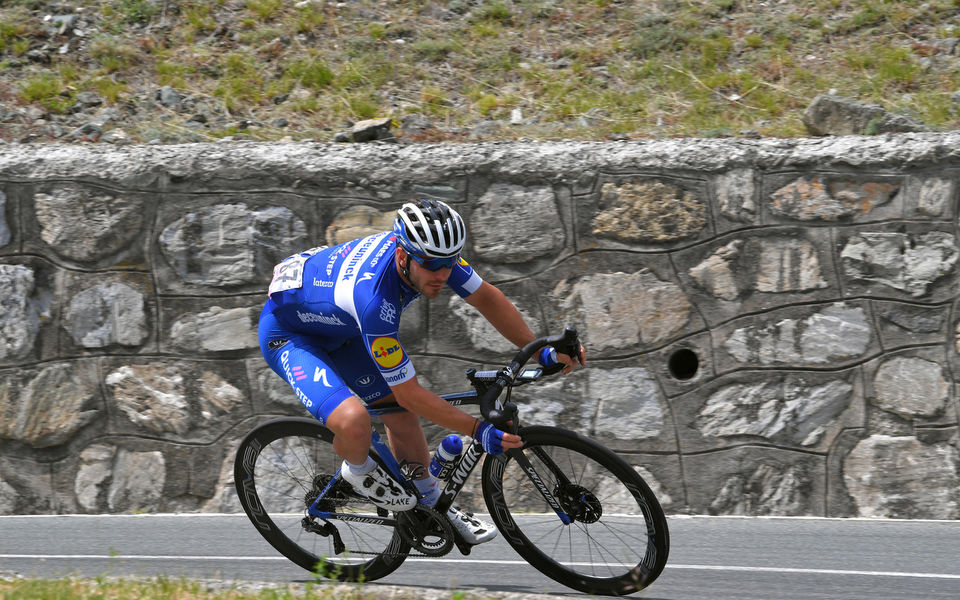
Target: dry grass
568, 68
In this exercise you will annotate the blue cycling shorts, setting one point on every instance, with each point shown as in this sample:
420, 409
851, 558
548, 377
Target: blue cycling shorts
322, 374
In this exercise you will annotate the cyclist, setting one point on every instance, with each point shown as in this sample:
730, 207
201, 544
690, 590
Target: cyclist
330, 328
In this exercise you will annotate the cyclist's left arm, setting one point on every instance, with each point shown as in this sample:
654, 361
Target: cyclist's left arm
504, 316
501, 313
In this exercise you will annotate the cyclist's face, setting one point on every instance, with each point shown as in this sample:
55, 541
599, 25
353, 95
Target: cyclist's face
430, 283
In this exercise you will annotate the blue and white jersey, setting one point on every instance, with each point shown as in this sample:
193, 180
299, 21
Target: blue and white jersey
354, 290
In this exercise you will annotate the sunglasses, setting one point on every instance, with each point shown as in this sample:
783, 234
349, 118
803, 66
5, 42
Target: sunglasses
435, 264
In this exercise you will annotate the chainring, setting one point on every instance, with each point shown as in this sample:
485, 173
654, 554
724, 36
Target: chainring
425, 530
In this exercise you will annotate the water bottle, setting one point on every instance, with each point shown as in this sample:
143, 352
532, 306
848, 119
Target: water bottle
445, 457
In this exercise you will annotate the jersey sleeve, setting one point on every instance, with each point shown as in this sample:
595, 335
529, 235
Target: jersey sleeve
463, 279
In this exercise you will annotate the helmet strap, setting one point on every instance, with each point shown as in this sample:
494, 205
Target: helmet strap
404, 267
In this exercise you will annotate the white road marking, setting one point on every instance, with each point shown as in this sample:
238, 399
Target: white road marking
669, 567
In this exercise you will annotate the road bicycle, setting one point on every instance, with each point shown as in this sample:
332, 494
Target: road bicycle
572, 508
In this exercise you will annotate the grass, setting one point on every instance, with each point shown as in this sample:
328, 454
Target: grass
658, 68
169, 588
161, 588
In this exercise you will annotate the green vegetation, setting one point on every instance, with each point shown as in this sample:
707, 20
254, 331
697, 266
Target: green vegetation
167, 588
651, 69
164, 588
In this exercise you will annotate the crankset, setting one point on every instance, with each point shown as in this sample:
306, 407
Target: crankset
425, 530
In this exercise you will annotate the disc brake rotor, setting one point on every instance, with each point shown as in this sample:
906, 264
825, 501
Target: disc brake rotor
579, 502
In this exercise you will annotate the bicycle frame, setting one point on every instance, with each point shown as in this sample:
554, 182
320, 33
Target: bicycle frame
465, 465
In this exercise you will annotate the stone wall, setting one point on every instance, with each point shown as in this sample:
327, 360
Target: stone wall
771, 324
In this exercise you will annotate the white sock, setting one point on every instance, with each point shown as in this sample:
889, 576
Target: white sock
363, 469
429, 488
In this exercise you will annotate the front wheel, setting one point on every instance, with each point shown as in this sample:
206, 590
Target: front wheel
280, 468
606, 533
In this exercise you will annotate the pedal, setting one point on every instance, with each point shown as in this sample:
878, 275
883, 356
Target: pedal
462, 546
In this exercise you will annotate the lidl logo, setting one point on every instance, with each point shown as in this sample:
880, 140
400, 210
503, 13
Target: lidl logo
387, 352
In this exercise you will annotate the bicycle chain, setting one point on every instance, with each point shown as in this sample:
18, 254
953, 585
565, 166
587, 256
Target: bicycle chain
356, 500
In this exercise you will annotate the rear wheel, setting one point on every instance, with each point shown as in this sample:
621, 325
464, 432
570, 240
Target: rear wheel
281, 467
616, 541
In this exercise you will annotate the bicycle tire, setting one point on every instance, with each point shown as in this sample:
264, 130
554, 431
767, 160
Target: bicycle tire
275, 469
618, 541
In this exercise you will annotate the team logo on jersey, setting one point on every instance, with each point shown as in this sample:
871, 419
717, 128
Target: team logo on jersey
387, 352
365, 381
463, 263
388, 312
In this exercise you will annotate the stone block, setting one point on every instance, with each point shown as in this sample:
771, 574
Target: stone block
755, 481
831, 197
804, 410
758, 270
517, 223
904, 478
735, 193
818, 336
28, 295
644, 212
903, 324
930, 196
89, 225
26, 487
662, 473
621, 303
48, 405
112, 312
617, 404
224, 327
899, 261
9, 218
175, 400
914, 384
231, 243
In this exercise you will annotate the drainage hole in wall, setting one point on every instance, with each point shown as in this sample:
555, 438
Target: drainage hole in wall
683, 364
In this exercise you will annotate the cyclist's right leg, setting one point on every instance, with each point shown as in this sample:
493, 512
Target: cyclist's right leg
308, 368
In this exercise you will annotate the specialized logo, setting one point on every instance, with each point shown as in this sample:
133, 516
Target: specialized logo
307, 317
387, 352
388, 312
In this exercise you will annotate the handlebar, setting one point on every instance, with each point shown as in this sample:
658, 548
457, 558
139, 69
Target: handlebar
567, 343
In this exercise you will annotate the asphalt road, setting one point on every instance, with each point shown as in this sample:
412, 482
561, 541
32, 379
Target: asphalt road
714, 558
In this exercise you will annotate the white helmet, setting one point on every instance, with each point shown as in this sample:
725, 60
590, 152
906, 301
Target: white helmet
430, 228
